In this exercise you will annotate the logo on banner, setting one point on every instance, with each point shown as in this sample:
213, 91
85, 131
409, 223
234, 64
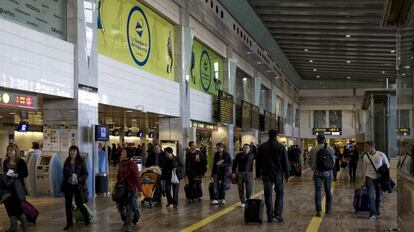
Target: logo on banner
139, 36
205, 70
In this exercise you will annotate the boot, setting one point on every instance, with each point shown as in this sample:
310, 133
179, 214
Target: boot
13, 224
23, 218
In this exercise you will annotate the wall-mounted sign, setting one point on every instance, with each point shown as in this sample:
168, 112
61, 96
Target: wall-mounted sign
225, 107
134, 34
17, 100
403, 131
203, 125
140, 134
101, 133
327, 131
206, 69
246, 115
255, 117
45, 16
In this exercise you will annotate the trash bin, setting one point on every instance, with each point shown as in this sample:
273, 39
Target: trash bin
101, 183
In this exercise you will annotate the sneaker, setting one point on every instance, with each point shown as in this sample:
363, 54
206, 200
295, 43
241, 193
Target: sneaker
372, 217
214, 202
223, 202
279, 219
243, 205
318, 214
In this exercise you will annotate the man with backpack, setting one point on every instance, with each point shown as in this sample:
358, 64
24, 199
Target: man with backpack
322, 162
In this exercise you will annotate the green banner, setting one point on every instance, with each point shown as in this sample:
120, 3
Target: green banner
206, 69
132, 33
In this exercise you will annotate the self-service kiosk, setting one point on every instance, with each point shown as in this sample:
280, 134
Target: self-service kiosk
32, 157
49, 174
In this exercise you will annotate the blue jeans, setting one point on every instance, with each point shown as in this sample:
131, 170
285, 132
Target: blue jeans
268, 183
375, 194
219, 187
326, 179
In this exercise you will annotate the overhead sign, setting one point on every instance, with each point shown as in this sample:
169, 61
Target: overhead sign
44, 16
206, 69
255, 117
18, 100
132, 33
403, 131
203, 125
225, 107
246, 115
327, 131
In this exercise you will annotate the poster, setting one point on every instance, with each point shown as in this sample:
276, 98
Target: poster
41, 15
130, 32
206, 69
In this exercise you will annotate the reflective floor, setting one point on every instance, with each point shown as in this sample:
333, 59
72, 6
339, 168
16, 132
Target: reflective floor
298, 212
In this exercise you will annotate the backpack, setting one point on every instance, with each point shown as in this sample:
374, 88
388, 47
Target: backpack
325, 161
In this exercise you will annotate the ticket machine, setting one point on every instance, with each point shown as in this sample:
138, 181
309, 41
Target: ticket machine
31, 161
49, 174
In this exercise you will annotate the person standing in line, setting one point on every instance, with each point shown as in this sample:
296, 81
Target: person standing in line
75, 175
196, 167
128, 207
243, 170
353, 157
170, 164
272, 165
322, 162
371, 162
15, 167
220, 172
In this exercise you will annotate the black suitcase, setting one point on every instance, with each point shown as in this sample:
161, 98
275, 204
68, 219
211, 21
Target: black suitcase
253, 212
211, 190
361, 200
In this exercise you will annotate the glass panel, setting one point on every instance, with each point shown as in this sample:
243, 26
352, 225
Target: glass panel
297, 118
335, 119
319, 119
290, 114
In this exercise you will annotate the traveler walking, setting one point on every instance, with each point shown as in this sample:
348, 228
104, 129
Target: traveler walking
171, 174
243, 170
353, 157
196, 167
221, 172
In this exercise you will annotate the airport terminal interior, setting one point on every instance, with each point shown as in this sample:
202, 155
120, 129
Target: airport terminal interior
206, 115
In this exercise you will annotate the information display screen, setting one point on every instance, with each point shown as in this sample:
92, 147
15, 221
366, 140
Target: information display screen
17, 100
255, 117
327, 131
403, 131
225, 107
246, 115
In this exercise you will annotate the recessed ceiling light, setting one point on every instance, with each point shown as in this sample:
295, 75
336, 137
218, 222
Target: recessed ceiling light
269, 71
383, 71
245, 79
348, 61
348, 77
128, 111
12, 113
310, 61
392, 51
347, 36
305, 49
318, 76
249, 52
259, 62
403, 74
315, 69
408, 66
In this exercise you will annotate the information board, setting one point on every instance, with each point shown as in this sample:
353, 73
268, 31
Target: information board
246, 115
255, 115
403, 131
327, 131
225, 107
17, 100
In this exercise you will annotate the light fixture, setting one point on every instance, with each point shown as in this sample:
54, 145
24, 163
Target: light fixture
348, 61
348, 77
403, 74
408, 66
383, 71
305, 49
259, 62
318, 76
12, 113
249, 52
347, 36
392, 51
269, 71
310, 61
128, 111
244, 78
315, 69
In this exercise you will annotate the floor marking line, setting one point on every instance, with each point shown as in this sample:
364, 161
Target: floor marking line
224, 211
316, 222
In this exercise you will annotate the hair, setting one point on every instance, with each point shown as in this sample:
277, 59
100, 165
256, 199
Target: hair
169, 150
78, 158
128, 150
370, 143
35, 145
246, 144
191, 143
272, 133
15, 148
320, 139
220, 145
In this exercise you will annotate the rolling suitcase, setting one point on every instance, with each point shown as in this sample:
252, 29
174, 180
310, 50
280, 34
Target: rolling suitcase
361, 200
77, 215
30, 211
253, 212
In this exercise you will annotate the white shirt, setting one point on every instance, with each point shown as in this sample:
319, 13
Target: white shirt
378, 159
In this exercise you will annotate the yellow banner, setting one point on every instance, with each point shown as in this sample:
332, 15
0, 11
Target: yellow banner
206, 69
130, 32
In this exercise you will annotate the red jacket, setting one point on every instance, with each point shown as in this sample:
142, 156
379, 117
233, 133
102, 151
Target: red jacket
128, 170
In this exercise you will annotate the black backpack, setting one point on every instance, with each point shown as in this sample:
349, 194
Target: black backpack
325, 161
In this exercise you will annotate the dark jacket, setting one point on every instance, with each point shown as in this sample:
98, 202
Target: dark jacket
80, 171
243, 162
154, 159
224, 168
272, 160
168, 165
128, 170
353, 156
194, 168
21, 169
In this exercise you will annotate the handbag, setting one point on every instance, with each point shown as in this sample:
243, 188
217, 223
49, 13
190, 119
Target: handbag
386, 183
120, 190
174, 177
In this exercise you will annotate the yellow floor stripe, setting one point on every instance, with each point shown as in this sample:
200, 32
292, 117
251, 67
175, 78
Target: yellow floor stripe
227, 210
316, 222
